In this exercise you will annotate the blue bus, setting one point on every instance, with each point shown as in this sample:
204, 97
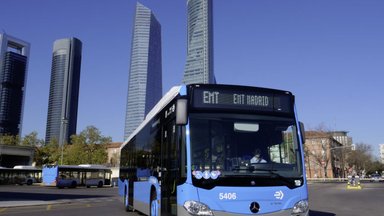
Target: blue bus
198, 152
72, 176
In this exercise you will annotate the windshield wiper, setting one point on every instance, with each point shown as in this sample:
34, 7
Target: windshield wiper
275, 175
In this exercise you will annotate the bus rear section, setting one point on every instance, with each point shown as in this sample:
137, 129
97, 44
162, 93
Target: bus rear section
239, 152
54, 176
72, 176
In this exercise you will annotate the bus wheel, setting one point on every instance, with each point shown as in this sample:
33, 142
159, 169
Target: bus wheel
100, 184
153, 204
74, 184
29, 182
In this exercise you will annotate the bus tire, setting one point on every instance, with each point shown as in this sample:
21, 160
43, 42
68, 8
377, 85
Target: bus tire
100, 184
73, 184
29, 182
153, 203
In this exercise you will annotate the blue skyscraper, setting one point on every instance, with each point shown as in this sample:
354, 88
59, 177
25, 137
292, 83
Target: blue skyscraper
64, 90
199, 64
145, 77
14, 54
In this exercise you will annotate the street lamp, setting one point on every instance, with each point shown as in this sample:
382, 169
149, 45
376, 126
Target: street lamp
63, 129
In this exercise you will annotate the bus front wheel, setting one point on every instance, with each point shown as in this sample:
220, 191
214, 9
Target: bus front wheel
153, 207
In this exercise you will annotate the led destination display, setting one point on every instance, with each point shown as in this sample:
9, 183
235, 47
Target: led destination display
242, 99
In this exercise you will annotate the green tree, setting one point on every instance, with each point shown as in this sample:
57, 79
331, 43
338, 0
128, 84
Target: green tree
48, 153
89, 147
12, 140
32, 139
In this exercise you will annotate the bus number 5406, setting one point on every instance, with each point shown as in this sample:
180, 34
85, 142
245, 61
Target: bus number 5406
227, 196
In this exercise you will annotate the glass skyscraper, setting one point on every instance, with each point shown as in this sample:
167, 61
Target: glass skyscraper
199, 64
14, 54
145, 77
64, 90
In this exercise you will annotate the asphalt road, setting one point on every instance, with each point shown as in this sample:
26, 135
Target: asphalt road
326, 199
329, 199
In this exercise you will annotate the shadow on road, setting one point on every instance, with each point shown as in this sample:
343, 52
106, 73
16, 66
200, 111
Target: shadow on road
318, 213
15, 196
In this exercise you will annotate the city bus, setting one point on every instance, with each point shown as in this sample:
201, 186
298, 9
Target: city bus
20, 174
72, 176
192, 154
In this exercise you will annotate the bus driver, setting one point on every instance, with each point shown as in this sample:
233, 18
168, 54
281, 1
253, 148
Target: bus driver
257, 157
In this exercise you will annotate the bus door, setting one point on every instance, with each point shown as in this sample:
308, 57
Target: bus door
170, 170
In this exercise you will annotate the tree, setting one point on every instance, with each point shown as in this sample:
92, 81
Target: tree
12, 140
89, 147
48, 153
31, 139
360, 158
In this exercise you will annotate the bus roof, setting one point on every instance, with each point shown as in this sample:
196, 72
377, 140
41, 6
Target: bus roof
82, 167
169, 96
25, 167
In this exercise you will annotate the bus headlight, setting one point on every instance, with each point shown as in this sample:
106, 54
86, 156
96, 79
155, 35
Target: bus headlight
197, 208
300, 207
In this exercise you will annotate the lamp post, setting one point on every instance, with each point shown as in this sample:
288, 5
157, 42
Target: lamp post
63, 130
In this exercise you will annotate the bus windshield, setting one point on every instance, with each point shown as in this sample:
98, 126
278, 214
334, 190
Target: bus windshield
260, 148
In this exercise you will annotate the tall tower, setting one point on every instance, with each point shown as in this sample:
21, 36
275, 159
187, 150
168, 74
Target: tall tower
14, 54
145, 77
64, 90
199, 65
381, 149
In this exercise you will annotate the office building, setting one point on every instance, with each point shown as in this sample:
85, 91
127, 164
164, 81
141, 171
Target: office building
14, 55
381, 149
342, 137
199, 64
64, 90
145, 76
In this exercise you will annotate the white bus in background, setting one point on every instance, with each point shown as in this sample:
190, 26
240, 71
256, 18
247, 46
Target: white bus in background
20, 175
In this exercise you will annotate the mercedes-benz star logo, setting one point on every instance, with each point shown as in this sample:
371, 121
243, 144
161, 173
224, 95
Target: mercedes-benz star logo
255, 207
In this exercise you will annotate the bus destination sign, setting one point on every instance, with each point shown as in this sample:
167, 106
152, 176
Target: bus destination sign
241, 99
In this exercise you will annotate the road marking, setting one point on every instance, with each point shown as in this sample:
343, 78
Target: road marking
49, 207
2, 210
88, 205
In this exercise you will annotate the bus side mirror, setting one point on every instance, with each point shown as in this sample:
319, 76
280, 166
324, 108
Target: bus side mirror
181, 111
302, 131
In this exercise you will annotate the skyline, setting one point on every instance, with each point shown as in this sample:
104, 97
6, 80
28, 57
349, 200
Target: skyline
14, 56
145, 75
328, 54
64, 90
199, 61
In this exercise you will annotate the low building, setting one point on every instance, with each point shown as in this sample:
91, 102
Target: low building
113, 150
324, 156
11, 156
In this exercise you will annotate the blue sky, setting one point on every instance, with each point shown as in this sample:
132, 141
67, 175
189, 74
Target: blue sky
329, 53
